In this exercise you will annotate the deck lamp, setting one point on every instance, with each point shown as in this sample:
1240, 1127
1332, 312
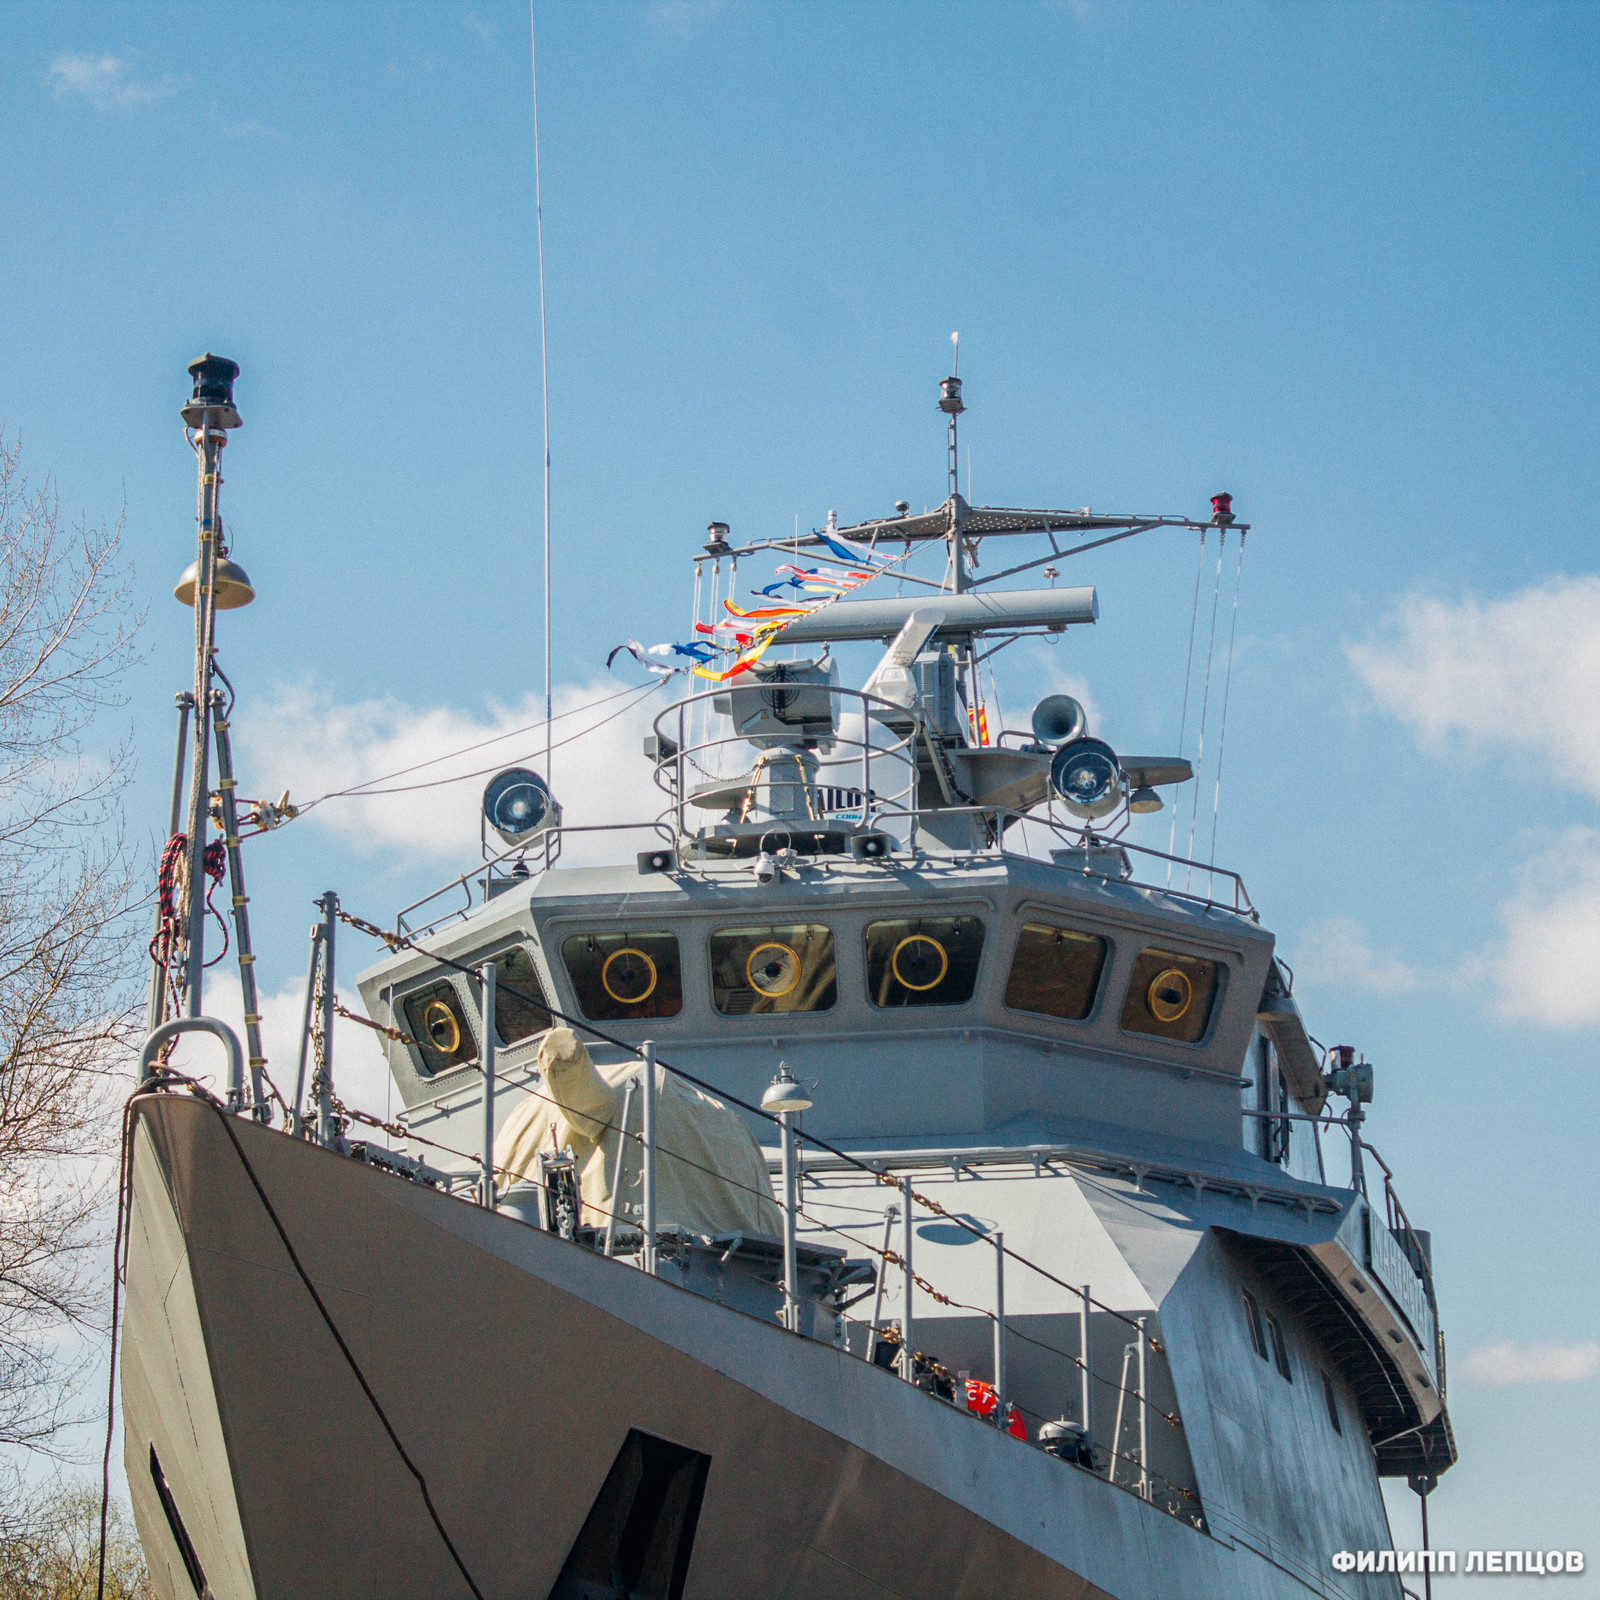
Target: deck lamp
785, 1093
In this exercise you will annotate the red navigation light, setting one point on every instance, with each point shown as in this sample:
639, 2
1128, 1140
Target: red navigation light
1222, 509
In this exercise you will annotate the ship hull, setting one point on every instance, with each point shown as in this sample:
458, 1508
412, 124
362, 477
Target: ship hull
517, 1371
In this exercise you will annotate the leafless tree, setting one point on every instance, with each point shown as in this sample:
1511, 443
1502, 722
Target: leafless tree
69, 954
51, 1549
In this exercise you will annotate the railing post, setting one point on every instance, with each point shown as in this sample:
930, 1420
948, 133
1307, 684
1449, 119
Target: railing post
305, 1028
907, 1361
1083, 1350
1144, 1417
486, 975
889, 1216
791, 1265
647, 1080
327, 1125
1000, 1324
619, 1167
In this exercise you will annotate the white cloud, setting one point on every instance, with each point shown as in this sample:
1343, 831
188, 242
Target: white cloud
1514, 678
1547, 969
360, 1074
1517, 681
485, 27
685, 18
302, 740
1336, 953
106, 81
1503, 1361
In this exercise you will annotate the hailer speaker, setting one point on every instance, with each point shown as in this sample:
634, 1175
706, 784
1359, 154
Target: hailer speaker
657, 861
870, 846
1059, 718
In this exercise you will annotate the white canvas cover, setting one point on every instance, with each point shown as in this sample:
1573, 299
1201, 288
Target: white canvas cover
710, 1174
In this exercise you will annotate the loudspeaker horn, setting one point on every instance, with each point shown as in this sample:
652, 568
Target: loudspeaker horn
1058, 718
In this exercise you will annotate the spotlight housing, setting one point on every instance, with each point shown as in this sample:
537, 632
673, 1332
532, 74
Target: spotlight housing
1086, 776
518, 805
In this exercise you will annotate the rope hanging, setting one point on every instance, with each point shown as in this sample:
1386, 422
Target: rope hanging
1188, 678
1227, 686
1205, 703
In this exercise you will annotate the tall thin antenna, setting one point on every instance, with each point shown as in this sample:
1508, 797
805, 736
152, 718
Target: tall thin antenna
544, 365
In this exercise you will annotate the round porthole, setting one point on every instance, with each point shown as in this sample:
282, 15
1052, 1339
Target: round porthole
919, 963
444, 1032
773, 970
628, 976
1171, 995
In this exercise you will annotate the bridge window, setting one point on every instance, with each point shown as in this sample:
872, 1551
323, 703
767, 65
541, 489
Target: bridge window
1055, 972
1280, 1351
436, 1019
923, 961
760, 971
1171, 995
625, 977
1252, 1316
1333, 1403
520, 1008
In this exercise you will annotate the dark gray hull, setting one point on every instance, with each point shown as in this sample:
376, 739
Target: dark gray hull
512, 1366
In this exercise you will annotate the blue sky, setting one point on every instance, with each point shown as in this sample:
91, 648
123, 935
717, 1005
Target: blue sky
1338, 260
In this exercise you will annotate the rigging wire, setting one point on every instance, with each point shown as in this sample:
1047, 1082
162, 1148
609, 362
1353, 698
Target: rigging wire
362, 791
1227, 685
544, 366
1205, 702
1188, 677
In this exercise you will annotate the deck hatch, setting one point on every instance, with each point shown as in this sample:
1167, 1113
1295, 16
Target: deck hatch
636, 1541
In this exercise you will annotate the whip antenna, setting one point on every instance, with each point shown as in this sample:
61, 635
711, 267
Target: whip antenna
544, 366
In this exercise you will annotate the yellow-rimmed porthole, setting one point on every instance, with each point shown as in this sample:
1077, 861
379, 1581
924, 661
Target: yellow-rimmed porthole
1170, 995
622, 977
919, 962
436, 1021
773, 969
629, 976
923, 961
762, 971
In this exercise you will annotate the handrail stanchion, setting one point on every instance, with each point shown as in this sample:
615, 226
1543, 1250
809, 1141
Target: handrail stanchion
907, 1360
327, 1123
619, 1168
486, 975
1083, 1351
647, 1078
1144, 1415
791, 1263
305, 1030
1000, 1324
877, 1299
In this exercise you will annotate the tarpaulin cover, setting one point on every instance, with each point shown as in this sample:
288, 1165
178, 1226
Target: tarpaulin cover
710, 1174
